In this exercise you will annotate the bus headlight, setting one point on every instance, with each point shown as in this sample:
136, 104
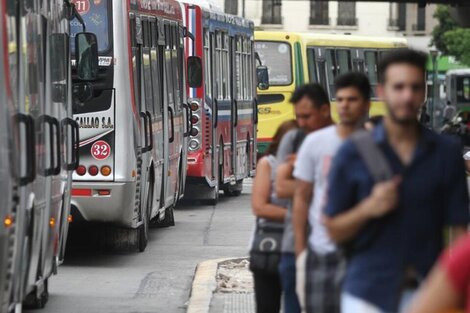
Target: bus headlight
193, 144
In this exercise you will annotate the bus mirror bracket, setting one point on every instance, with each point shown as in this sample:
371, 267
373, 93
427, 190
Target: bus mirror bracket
86, 50
82, 92
194, 72
263, 77
72, 13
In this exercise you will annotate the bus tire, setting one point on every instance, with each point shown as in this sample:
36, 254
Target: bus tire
34, 301
235, 190
169, 219
144, 228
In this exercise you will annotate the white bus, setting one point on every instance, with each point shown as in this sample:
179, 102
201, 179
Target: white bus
133, 120
37, 33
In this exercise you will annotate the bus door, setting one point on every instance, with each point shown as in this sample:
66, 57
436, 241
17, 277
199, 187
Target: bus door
215, 111
234, 71
145, 146
169, 116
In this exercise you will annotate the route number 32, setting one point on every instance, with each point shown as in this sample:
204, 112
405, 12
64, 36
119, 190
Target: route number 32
100, 150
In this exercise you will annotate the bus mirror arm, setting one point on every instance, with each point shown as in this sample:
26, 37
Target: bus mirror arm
188, 34
73, 13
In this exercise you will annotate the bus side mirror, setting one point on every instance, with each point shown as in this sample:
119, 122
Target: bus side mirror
263, 77
194, 72
86, 48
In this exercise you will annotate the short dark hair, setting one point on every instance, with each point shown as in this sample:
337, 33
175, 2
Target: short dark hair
406, 56
314, 92
356, 80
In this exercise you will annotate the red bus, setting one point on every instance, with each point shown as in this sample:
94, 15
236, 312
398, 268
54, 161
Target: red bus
222, 102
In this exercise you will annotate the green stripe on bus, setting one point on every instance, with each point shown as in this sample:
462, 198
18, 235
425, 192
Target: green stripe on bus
262, 146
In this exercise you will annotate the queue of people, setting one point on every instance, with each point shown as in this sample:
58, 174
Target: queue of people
352, 217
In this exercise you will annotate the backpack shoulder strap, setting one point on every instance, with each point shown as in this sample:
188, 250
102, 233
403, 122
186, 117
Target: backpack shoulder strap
372, 156
298, 139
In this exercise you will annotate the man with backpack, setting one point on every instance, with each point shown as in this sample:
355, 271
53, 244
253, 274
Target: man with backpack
389, 211
325, 264
312, 111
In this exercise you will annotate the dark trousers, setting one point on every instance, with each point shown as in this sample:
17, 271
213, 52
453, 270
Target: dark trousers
267, 292
287, 272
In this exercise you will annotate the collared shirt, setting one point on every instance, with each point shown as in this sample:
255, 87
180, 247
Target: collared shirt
432, 194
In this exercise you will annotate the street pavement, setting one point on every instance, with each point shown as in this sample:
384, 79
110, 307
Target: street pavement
159, 279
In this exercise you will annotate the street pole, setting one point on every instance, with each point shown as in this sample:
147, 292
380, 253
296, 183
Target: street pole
243, 8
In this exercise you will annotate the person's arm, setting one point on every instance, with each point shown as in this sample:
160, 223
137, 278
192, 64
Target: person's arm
285, 182
302, 198
456, 202
383, 200
261, 194
437, 295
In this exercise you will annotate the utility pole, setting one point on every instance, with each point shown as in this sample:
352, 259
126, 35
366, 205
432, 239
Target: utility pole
243, 8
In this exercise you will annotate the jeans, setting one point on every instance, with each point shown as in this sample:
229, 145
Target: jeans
287, 273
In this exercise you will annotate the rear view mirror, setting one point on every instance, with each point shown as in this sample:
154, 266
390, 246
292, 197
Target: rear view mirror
86, 48
194, 72
263, 77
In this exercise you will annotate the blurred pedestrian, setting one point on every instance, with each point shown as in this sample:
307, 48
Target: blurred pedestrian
373, 121
312, 110
447, 289
325, 264
390, 217
270, 212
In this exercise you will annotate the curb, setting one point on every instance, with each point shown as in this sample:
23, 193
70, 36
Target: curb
203, 286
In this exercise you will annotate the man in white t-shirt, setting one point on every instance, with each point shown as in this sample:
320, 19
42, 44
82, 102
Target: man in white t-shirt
325, 264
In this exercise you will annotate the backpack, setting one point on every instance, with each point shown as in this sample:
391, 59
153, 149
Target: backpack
380, 170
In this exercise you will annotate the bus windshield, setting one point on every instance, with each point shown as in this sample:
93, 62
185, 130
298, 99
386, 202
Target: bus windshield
95, 16
277, 57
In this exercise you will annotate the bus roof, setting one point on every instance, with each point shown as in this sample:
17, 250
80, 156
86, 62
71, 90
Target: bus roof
333, 39
166, 8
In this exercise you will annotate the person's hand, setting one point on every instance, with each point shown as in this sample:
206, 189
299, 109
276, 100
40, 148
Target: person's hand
383, 199
290, 159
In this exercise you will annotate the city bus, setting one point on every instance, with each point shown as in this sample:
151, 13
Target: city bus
222, 102
132, 119
297, 58
42, 141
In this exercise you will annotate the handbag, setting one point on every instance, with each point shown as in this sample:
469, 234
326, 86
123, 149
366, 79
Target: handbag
265, 252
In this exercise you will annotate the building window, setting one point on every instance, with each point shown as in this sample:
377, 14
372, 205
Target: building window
272, 12
319, 14
231, 7
347, 14
420, 20
401, 20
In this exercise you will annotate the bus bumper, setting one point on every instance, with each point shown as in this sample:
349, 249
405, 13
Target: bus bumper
105, 202
196, 165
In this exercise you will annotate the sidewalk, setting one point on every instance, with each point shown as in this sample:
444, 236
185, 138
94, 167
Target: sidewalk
222, 286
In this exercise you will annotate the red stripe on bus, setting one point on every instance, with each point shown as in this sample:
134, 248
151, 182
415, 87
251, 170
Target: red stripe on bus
264, 139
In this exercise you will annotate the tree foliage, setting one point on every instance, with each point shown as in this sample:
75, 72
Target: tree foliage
450, 39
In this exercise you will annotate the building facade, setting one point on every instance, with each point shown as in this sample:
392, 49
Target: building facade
340, 17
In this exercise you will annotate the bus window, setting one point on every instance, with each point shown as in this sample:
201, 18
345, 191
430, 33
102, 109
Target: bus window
277, 57
136, 39
168, 70
147, 70
312, 67
97, 21
370, 58
156, 71
322, 73
331, 70
175, 66
207, 63
225, 67
238, 67
246, 71
218, 64
343, 61
463, 89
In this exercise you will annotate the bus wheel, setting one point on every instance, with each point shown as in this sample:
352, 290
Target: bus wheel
144, 228
35, 300
235, 190
169, 219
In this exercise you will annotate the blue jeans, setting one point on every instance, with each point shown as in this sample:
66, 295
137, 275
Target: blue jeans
287, 273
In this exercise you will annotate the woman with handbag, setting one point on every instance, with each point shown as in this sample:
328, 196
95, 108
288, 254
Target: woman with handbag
270, 211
